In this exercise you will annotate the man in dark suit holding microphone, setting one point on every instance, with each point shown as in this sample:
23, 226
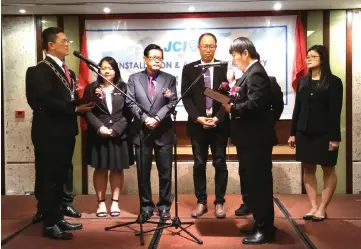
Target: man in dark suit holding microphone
253, 133
156, 92
50, 93
207, 125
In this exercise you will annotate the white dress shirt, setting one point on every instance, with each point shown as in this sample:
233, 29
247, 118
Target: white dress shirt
57, 61
108, 97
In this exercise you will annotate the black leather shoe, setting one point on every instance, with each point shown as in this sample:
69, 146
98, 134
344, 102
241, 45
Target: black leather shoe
39, 217
308, 217
55, 232
259, 237
71, 212
243, 210
63, 224
164, 214
146, 215
318, 219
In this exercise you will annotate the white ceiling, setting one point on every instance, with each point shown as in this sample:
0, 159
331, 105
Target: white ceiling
46, 7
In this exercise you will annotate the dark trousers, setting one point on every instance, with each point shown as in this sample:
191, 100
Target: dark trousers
163, 160
200, 145
255, 170
53, 163
67, 199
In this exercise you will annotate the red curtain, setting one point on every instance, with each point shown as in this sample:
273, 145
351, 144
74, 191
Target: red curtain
84, 74
299, 64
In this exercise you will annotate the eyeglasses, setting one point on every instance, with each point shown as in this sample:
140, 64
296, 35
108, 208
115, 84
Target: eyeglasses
154, 58
210, 47
311, 57
64, 41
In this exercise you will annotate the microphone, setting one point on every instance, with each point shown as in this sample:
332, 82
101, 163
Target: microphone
87, 61
214, 64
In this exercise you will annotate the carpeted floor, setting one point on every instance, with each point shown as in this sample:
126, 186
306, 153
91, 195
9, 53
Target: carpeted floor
341, 231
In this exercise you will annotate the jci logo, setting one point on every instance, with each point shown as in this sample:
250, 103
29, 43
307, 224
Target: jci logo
181, 46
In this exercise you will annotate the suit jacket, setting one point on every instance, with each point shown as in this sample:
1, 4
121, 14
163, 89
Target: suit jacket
138, 89
277, 104
318, 110
53, 113
252, 123
100, 115
194, 100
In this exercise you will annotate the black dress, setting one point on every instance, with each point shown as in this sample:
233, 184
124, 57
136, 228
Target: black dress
107, 152
316, 120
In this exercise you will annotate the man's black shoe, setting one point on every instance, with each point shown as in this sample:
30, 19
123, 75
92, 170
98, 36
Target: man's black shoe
145, 215
259, 237
71, 212
243, 210
164, 214
55, 232
39, 217
63, 224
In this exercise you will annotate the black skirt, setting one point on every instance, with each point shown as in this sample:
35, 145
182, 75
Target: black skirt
108, 153
312, 148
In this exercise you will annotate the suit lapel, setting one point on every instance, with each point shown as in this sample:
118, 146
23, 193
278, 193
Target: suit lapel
145, 84
240, 81
61, 71
159, 85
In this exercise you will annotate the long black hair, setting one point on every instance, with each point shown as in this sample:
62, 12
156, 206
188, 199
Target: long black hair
117, 77
324, 65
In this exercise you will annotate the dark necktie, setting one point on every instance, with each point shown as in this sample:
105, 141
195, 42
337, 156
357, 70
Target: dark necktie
151, 87
207, 83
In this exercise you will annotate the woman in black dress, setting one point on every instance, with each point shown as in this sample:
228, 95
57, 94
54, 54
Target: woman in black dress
107, 147
315, 131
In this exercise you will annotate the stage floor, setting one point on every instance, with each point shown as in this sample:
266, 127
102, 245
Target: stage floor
341, 231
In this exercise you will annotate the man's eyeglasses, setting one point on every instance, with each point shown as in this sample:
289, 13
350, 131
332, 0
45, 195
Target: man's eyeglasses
211, 47
311, 57
154, 58
65, 42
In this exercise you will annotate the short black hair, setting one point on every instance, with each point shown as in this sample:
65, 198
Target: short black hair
210, 34
242, 44
114, 64
151, 47
258, 57
49, 35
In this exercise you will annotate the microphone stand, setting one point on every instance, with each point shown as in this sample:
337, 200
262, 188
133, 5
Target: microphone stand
140, 219
176, 221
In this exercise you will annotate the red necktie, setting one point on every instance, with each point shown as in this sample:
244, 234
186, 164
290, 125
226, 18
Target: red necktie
67, 73
151, 87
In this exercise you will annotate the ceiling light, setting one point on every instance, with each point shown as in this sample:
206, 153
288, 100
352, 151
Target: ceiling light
106, 10
277, 6
191, 8
22, 11
43, 21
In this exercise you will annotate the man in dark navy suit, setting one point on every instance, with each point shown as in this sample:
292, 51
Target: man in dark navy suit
253, 134
156, 91
50, 91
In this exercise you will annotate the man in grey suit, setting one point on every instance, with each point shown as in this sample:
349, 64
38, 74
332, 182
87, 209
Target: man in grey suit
156, 92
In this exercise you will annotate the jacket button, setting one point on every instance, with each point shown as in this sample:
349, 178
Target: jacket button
110, 121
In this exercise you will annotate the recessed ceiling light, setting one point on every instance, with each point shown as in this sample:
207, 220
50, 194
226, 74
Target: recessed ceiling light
191, 8
106, 10
277, 6
22, 11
